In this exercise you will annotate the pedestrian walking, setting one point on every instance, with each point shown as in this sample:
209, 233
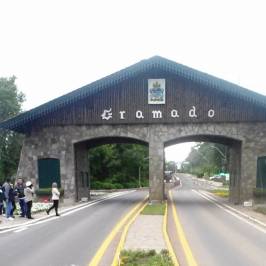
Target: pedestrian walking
2, 198
20, 186
29, 191
8, 192
55, 198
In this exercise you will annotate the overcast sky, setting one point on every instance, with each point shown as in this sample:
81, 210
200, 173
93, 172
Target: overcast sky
54, 47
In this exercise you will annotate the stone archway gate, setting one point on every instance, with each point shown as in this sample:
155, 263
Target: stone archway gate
155, 101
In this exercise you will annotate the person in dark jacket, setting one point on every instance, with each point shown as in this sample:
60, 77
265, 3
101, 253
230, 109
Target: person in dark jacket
9, 207
12, 198
20, 186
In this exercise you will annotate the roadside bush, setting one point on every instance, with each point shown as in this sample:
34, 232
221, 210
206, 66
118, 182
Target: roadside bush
96, 184
131, 184
261, 209
141, 257
114, 184
118, 186
259, 192
105, 185
47, 192
108, 185
200, 175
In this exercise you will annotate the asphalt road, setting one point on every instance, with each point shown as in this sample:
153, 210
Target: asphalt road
70, 240
216, 237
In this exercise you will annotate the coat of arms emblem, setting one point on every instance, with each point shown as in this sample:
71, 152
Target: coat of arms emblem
156, 91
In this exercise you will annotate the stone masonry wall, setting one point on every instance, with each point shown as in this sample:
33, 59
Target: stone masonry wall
58, 142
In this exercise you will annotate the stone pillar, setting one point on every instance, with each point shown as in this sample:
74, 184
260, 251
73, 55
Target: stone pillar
27, 168
81, 171
156, 170
248, 169
235, 173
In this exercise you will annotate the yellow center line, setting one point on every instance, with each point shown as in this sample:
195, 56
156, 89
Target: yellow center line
167, 240
116, 260
181, 235
100, 252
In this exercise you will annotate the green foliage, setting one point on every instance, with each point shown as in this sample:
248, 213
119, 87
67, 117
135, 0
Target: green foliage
224, 193
10, 143
259, 192
115, 166
207, 159
106, 185
261, 209
145, 258
47, 191
170, 166
154, 209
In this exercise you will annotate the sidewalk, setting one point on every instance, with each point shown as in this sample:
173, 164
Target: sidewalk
42, 215
20, 221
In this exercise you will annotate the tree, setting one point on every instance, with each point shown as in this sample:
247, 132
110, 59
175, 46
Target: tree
170, 166
207, 158
118, 165
10, 142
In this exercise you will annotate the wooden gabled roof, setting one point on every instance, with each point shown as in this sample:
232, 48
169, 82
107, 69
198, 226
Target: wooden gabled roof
19, 122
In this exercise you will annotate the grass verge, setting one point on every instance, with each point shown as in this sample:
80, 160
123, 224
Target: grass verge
145, 258
220, 192
154, 209
261, 210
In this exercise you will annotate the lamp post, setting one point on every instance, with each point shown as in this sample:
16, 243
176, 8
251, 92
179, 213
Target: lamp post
221, 153
224, 157
202, 155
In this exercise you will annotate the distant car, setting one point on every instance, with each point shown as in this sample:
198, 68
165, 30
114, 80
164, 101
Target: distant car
168, 176
221, 177
215, 177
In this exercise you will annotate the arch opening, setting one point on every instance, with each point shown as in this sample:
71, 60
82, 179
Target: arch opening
110, 163
213, 160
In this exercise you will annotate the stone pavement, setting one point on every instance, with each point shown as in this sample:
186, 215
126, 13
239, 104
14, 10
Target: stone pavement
146, 233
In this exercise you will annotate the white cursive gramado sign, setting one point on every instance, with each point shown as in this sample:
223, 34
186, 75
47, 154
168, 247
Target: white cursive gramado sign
156, 114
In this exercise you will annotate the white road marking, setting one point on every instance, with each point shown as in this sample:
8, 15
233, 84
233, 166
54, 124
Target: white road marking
235, 210
65, 212
21, 229
225, 208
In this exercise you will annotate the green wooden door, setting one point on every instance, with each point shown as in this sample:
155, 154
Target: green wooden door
261, 172
49, 172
